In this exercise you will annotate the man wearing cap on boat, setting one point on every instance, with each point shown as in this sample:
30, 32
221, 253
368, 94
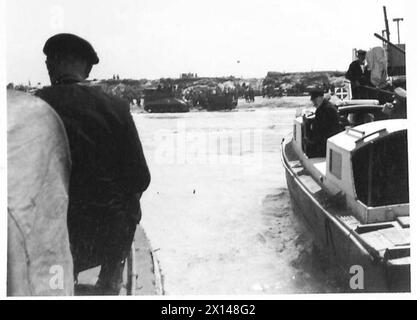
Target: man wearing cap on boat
109, 170
325, 124
358, 75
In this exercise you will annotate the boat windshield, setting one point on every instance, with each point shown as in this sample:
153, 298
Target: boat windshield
380, 171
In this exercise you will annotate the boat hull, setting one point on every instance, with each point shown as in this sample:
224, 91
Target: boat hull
340, 246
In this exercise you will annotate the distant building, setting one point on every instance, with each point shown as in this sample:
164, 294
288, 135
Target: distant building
188, 75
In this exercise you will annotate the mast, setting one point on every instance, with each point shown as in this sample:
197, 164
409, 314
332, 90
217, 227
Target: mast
386, 24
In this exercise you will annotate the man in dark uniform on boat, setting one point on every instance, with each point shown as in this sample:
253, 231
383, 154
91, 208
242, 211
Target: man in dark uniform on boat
326, 123
109, 170
358, 76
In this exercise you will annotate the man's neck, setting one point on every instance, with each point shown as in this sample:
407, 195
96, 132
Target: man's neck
68, 79
321, 103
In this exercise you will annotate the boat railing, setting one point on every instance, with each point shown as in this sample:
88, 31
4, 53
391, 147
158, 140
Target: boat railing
376, 134
350, 130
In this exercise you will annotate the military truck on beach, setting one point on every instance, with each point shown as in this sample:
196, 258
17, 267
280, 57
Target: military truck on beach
164, 100
221, 101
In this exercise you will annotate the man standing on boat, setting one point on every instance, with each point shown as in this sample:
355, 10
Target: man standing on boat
325, 124
109, 170
358, 76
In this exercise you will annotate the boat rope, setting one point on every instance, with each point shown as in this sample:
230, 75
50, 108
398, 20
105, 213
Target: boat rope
329, 235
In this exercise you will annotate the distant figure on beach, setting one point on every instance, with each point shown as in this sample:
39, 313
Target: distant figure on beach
358, 75
109, 170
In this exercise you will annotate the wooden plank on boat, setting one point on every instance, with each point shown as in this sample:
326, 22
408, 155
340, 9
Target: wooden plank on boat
365, 228
376, 240
399, 237
404, 221
310, 183
350, 221
399, 262
296, 166
320, 167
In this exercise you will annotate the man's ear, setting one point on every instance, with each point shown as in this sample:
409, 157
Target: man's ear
88, 70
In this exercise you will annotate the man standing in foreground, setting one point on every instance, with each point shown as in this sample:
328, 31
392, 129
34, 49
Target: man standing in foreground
358, 76
109, 170
325, 124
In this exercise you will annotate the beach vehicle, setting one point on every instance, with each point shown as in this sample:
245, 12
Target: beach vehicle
221, 101
355, 201
163, 100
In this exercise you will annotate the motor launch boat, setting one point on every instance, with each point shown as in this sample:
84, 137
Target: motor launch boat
355, 200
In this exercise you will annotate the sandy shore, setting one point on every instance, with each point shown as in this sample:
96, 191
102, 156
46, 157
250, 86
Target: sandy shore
220, 219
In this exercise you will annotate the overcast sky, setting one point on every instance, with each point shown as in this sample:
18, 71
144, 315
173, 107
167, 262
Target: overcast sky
163, 38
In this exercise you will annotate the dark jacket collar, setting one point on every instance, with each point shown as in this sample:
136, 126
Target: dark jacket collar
68, 79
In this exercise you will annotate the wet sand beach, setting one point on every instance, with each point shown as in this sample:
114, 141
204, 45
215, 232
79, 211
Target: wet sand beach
218, 213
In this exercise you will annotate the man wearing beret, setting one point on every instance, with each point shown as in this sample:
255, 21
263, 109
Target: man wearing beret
358, 75
109, 170
326, 123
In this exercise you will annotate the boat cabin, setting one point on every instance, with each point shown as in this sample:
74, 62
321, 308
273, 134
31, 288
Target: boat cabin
366, 165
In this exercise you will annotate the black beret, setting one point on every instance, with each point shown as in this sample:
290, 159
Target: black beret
361, 52
316, 93
70, 43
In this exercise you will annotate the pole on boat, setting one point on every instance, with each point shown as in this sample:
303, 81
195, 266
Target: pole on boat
383, 35
387, 31
378, 89
389, 43
397, 20
386, 23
